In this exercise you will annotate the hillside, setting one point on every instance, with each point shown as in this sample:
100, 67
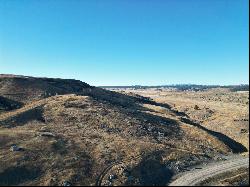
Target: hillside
219, 110
76, 134
24, 89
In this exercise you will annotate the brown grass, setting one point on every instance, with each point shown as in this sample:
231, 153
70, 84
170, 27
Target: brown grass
97, 131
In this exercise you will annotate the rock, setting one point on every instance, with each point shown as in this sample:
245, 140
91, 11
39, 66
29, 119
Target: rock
112, 177
160, 134
47, 134
109, 183
103, 126
15, 148
44, 129
66, 183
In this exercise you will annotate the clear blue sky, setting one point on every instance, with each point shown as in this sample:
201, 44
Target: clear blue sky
127, 42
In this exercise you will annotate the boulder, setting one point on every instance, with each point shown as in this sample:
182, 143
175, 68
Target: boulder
66, 183
15, 148
47, 134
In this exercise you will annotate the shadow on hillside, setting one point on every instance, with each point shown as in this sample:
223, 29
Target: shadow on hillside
150, 172
232, 144
8, 104
127, 100
35, 114
17, 175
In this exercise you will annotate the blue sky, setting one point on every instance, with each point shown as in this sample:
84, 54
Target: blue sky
127, 42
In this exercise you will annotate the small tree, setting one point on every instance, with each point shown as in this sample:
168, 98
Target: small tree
196, 107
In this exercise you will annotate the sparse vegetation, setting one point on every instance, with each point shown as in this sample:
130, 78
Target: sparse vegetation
82, 135
238, 177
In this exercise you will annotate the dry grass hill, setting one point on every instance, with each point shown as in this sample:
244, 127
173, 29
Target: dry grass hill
70, 133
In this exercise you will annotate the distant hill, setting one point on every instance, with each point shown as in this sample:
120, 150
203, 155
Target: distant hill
184, 87
243, 87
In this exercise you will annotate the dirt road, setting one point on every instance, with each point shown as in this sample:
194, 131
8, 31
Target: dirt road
198, 175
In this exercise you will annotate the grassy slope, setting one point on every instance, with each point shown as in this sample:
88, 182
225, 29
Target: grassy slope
91, 135
95, 134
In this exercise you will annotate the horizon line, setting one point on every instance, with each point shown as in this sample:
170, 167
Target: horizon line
135, 85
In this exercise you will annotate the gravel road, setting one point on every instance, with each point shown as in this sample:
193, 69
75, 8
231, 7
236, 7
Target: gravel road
196, 176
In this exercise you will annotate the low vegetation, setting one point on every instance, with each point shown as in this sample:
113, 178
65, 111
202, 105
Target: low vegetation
82, 135
238, 177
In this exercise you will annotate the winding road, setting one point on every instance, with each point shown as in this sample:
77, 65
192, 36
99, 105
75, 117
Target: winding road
194, 177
